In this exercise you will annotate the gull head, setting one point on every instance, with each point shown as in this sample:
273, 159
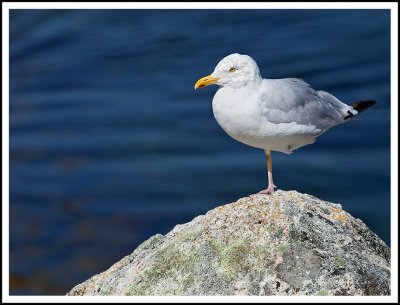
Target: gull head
233, 71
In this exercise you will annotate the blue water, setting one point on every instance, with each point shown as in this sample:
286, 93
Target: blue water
110, 144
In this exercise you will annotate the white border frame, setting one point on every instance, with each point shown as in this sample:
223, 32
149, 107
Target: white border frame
393, 7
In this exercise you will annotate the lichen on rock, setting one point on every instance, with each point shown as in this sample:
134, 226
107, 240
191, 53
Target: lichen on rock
286, 243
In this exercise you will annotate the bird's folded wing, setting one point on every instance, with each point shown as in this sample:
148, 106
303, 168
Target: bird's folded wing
291, 100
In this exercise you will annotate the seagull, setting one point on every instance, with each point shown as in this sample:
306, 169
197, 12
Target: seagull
272, 114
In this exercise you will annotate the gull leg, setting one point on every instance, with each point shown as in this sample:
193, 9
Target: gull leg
271, 185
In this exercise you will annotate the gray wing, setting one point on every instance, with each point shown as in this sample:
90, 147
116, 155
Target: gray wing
293, 100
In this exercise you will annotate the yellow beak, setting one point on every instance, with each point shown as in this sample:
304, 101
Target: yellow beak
205, 81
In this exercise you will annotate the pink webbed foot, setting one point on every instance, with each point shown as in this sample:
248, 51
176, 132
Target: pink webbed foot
269, 190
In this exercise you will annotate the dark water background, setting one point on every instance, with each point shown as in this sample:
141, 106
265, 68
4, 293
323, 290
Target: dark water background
110, 144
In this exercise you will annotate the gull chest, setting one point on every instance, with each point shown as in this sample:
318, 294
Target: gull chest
237, 113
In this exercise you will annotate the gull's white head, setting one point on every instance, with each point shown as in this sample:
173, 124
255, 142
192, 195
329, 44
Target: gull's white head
233, 71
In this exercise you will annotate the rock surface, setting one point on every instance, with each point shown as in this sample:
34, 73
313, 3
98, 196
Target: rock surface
286, 243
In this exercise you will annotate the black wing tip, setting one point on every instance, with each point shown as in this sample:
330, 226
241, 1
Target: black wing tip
360, 106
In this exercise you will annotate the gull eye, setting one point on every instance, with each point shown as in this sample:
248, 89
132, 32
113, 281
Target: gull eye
232, 69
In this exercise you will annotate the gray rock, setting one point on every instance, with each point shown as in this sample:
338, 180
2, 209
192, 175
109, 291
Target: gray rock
286, 243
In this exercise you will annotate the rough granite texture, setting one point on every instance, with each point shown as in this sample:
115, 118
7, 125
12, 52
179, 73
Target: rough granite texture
286, 243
